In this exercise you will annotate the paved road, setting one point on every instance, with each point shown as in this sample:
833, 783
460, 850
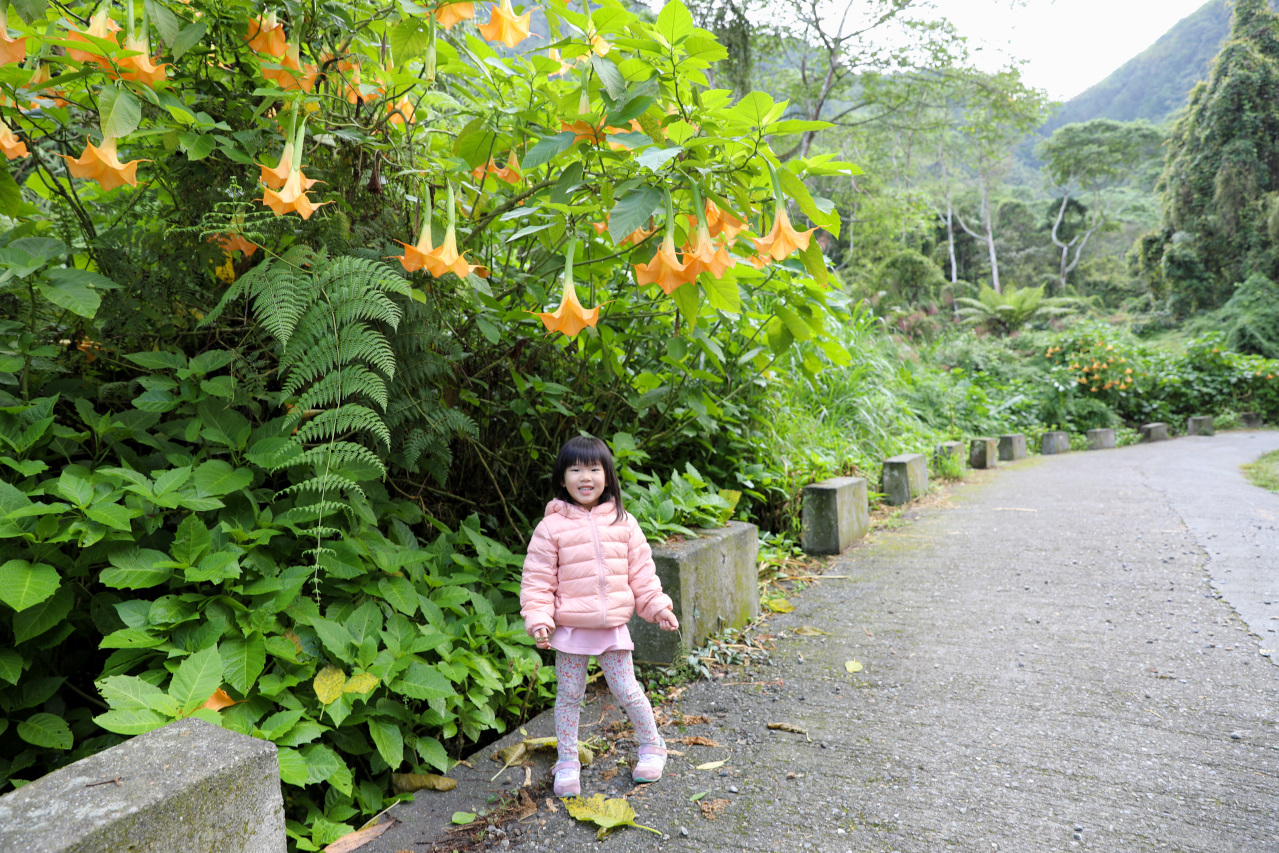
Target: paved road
1053, 659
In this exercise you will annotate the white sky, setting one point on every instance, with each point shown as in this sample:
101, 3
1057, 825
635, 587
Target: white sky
1069, 45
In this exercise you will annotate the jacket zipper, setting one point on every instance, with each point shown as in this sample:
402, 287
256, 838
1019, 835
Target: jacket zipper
599, 564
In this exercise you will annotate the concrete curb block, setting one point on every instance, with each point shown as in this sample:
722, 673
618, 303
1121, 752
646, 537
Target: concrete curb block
1055, 442
1012, 447
1200, 425
983, 453
187, 786
1101, 439
904, 477
713, 581
836, 513
1154, 432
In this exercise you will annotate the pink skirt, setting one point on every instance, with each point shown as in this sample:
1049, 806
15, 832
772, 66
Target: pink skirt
591, 641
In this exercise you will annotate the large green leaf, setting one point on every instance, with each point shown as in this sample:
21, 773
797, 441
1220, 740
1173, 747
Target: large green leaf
216, 478
633, 211
119, 110
388, 740
547, 149
424, 681
38, 618
23, 584
128, 692
45, 730
190, 541
196, 679
10, 193
134, 721
674, 22
30, 10
409, 40
243, 660
137, 568
11, 664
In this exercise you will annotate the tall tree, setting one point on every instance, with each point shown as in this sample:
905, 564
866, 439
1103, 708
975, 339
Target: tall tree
1220, 186
1092, 161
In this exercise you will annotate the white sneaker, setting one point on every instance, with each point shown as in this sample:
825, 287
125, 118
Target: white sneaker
652, 761
568, 781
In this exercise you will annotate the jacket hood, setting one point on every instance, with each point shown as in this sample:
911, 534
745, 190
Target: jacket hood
572, 510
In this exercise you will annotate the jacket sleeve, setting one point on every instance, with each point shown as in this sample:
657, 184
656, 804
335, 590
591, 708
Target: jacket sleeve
645, 585
540, 581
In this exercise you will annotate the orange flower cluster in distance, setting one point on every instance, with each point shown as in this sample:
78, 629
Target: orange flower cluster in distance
706, 250
1095, 367
505, 26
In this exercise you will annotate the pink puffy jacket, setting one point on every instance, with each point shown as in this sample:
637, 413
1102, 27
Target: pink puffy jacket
585, 571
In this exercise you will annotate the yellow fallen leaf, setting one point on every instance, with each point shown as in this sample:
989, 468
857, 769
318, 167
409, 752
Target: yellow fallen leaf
608, 814
328, 684
790, 727
779, 605
805, 631
407, 783
852, 666
712, 765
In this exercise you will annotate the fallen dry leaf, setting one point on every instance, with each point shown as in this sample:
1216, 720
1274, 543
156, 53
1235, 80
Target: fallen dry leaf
219, 700
712, 808
779, 605
693, 740
607, 775
805, 631
713, 765
608, 814
790, 727
550, 805
853, 666
359, 838
407, 783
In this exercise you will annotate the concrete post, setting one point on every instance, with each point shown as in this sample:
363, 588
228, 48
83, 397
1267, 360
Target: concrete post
905, 477
836, 513
1200, 425
1154, 432
1055, 442
983, 453
1101, 439
1012, 447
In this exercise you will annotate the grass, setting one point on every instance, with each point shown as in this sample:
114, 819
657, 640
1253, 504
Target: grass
1264, 472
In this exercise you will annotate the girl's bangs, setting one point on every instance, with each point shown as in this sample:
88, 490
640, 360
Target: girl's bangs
585, 454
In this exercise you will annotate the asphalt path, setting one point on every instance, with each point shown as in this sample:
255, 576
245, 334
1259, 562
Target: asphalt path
1071, 652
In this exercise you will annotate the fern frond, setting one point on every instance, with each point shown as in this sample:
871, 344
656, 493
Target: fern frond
323, 484
332, 423
334, 388
313, 354
342, 452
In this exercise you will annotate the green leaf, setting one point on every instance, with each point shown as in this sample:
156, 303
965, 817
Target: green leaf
188, 38
686, 299
216, 478
160, 360
196, 679
655, 158
546, 150
215, 568
73, 296
10, 193
119, 110
463, 818
24, 585
10, 665
165, 21
409, 40
432, 752
388, 740
243, 660
400, 594
423, 681
815, 263
795, 188
674, 22
723, 294
112, 515
38, 618
633, 211
128, 692
292, 766
336, 638
75, 487
131, 638
45, 730
794, 323
131, 722
136, 568
610, 76
795, 125
190, 541
30, 10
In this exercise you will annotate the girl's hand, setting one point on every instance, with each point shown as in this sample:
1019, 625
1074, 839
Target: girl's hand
543, 639
667, 622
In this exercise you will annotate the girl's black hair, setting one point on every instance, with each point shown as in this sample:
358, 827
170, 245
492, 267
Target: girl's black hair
585, 450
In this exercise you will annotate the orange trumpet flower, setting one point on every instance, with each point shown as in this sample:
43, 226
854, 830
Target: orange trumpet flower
437, 260
139, 68
100, 26
266, 35
510, 173
780, 242
102, 164
664, 269
636, 236
416, 257
401, 111
505, 26
707, 256
451, 14
570, 317
291, 74
10, 144
12, 51
292, 197
720, 222
39, 76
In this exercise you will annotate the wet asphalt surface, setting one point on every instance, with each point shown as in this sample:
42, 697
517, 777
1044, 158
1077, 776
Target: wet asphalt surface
1067, 653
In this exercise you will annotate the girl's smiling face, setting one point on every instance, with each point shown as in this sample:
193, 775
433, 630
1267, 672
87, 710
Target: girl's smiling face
585, 483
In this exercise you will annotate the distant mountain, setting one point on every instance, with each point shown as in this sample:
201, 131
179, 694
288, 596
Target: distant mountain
1154, 84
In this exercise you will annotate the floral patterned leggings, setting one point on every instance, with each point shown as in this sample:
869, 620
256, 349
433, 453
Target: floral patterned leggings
619, 672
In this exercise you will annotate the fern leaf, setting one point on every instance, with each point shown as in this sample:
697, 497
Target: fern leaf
335, 387
332, 423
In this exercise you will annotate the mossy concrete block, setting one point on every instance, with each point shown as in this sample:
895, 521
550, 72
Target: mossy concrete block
983, 453
1101, 439
188, 786
905, 477
1154, 432
1055, 442
950, 448
1012, 447
713, 581
1249, 420
1200, 425
836, 513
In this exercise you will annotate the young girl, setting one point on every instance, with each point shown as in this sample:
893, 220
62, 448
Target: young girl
588, 569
